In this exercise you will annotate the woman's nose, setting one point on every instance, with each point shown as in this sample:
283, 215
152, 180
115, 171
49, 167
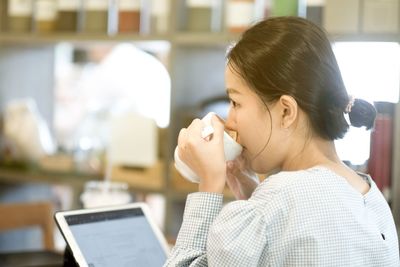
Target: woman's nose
230, 123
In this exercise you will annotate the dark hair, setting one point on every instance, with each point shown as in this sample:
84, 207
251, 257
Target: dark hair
293, 56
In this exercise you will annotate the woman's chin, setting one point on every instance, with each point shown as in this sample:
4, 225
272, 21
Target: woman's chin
262, 168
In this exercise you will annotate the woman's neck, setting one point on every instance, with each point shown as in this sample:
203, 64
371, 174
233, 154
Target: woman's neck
316, 151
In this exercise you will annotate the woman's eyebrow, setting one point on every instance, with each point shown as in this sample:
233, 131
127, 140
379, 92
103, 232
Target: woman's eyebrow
230, 91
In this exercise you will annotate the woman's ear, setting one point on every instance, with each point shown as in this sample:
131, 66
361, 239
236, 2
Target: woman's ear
289, 111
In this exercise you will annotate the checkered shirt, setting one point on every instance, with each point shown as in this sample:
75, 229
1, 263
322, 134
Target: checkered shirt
303, 218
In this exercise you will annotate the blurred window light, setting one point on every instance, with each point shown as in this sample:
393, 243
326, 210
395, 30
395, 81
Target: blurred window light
129, 77
95, 82
371, 71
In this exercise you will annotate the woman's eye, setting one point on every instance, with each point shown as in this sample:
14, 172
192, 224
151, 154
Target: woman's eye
233, 103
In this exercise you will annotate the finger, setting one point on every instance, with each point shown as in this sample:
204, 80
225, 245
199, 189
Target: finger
207, 132
239, 170
241, 163
182, 137
230, 164
231, 179
233, 168
194, 133
232, 182
218, 126
182, 140
195, 127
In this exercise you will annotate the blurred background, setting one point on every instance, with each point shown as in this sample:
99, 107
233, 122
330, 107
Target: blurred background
93, 94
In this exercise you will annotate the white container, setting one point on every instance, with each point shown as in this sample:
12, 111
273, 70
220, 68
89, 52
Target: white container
133, 141
100, 194
231, 148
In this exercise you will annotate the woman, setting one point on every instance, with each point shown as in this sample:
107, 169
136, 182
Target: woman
288, 105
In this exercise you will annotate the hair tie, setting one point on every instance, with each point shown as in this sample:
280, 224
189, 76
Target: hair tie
350, 104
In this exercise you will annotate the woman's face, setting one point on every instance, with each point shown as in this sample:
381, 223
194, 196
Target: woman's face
257, 129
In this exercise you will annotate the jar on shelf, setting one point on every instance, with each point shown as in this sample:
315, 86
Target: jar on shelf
203, 15
19, 15
289, 8
129, 14
45, 15
240, 14
3, 15
96, 16
104, 193
67, 19
159, 15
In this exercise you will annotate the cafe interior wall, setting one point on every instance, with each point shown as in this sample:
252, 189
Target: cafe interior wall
25, 73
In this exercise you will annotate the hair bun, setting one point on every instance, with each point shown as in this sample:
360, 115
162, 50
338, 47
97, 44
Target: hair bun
362, 113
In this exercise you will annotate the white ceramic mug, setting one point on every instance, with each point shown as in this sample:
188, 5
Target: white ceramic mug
232, 149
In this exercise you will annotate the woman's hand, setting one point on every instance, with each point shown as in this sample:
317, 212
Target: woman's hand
240, 179
204, 156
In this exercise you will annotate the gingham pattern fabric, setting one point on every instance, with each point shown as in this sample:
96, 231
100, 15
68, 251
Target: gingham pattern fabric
303, 218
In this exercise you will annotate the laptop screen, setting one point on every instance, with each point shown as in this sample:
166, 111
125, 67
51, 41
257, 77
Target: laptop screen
116, 238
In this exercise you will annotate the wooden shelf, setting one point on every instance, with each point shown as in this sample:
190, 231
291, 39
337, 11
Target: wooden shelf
146, 179
139, 179
204, 39
180, 38
15, 175
51, 38
364, 37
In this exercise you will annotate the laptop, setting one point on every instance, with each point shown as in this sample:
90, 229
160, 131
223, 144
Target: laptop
123, 235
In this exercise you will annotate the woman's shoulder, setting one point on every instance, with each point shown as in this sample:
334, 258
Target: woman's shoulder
275, 196
286, 180
298, 190
295, 187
